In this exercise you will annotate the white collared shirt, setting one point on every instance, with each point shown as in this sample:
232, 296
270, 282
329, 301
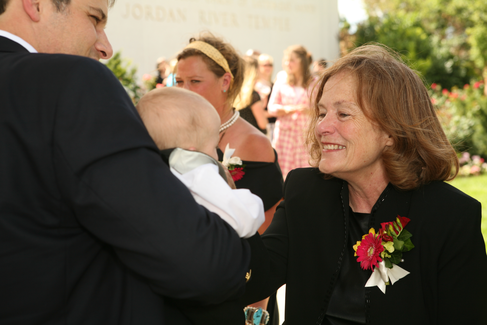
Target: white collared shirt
18, 40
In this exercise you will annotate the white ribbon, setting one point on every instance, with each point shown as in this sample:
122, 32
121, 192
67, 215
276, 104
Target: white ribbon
228, 159
382, 274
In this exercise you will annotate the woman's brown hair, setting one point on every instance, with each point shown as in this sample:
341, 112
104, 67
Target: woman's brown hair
305, 61
394, 97
235, 62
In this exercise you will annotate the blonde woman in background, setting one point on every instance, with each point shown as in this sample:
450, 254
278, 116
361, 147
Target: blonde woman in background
264, 86
289, 102
249, 102
212, 68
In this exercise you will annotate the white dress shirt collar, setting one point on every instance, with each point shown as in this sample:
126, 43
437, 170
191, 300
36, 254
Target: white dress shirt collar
18, 40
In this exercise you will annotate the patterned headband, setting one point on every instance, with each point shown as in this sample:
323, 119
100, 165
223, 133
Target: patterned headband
212, 53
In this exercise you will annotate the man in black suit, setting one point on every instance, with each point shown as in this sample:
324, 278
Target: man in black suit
94, 228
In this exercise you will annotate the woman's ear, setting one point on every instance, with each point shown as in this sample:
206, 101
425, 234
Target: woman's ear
226, 81
32, 9
389, 141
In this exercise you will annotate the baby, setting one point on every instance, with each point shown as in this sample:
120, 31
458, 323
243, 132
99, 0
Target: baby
185, 127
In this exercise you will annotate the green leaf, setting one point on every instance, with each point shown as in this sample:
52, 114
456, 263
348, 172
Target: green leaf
408, 245
396, 258
405, 235
388, 263
398, 244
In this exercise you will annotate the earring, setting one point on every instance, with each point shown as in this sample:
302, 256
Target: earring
224, 90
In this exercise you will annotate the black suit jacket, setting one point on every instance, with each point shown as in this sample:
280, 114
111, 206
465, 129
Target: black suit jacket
94, 228
303, 248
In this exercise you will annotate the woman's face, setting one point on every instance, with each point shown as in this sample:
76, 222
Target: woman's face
265, 69
292, 63
193, 74
352, 145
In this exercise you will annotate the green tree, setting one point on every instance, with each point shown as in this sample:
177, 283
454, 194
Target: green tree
126, 74
456, 28
427, 53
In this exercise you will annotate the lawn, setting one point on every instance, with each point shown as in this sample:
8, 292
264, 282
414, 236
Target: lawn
476, 187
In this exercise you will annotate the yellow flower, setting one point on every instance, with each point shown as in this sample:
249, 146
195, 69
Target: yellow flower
355, 247
389, 246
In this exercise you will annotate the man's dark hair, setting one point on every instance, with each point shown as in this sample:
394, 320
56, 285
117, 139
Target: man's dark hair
3, 6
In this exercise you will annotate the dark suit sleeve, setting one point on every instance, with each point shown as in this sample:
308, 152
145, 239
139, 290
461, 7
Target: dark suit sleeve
269, 259
268, 272
121, 191
462, 268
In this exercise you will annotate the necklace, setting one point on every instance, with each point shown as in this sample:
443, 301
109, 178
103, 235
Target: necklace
230, 122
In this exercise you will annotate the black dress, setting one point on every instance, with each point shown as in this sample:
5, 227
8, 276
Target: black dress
247, 114
265, 180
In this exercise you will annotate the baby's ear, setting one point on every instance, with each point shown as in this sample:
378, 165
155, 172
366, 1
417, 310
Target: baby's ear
192, 148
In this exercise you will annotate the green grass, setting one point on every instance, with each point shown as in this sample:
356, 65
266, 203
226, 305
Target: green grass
476, 187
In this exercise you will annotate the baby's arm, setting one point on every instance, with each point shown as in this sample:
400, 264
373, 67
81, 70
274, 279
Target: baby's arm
240, 208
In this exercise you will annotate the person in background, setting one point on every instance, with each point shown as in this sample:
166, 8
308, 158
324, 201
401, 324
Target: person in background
264, 87
289, 102
162, 70
248, 102
253, 53
170, 81
372, 233
318, 67
212, 68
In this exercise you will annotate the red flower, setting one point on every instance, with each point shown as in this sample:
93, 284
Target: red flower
445, 92
369, 250
433, 86
454, 95
433, 101
466, 86
385, 225
476, 85
387, 238
237, 173
404, 220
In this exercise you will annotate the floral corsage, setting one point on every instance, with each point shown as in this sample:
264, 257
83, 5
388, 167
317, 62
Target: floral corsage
234, 164
383, 251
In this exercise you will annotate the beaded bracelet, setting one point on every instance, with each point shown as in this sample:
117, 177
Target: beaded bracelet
256, 316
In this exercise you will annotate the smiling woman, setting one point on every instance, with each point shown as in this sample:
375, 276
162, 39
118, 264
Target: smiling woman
380, 159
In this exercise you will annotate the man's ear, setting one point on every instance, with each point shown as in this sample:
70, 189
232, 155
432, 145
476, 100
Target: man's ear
32, 9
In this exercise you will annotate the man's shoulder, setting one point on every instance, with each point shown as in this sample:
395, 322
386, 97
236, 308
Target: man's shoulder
52, 63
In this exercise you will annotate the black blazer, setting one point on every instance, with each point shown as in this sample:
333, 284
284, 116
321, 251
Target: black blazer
94, 228
305, 242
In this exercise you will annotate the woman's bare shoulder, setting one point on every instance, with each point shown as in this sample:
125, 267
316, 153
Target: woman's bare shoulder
250, 144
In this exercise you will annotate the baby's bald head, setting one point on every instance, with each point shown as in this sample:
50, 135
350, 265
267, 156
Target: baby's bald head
176, 117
